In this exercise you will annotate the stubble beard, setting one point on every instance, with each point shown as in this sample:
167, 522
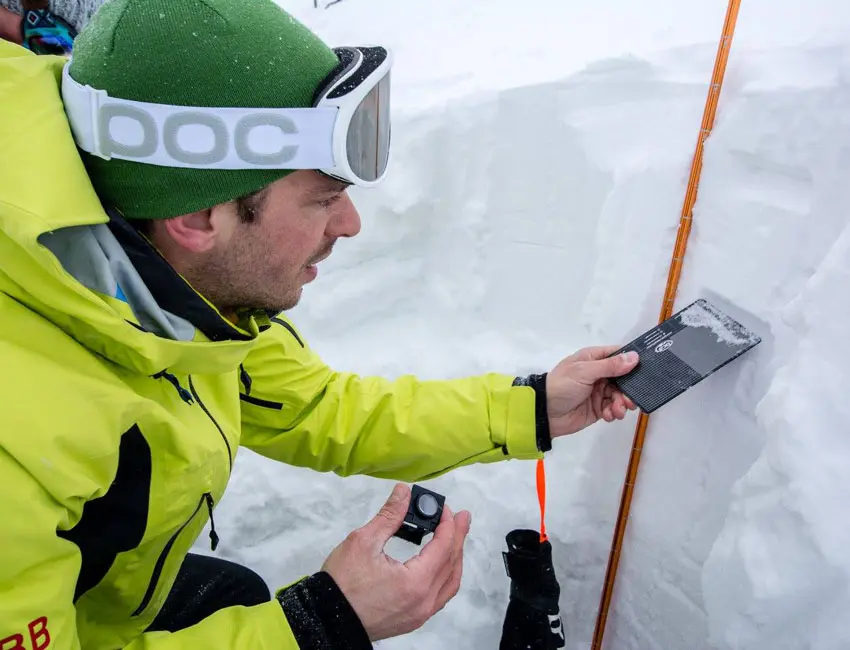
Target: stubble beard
233, 285
231, 282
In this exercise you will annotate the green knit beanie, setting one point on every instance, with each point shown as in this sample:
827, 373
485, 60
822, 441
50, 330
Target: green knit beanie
224, 53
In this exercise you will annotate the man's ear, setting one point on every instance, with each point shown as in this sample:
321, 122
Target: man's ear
197, 232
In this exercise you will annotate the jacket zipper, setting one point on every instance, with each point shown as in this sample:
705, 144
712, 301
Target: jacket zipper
212, 419
185, 395
163, 556
245, 378
288, 327
213, 534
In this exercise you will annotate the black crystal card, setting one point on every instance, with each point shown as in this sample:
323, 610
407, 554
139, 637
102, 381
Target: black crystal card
681, 352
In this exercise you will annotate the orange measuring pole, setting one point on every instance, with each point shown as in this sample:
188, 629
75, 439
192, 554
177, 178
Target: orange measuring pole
666, 311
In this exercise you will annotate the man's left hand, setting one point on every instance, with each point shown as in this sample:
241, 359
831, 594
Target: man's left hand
579, 393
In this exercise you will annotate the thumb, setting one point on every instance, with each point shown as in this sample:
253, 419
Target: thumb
615, 366
391, 515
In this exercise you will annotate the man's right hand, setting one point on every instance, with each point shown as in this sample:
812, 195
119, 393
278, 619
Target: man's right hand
392, 598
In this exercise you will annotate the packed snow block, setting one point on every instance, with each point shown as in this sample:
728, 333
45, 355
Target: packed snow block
682, 351
736, 539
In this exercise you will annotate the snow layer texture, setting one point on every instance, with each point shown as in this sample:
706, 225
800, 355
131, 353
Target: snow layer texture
725, 328
541, 155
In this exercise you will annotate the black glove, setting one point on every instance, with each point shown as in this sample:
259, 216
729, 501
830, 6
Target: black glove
533, 618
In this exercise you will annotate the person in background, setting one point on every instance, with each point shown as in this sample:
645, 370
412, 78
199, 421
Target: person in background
45, 26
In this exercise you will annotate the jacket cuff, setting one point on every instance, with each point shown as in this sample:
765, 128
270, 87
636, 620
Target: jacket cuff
541, 414
321, 617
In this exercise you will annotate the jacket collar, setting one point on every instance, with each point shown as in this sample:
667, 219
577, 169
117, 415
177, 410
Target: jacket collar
171, 292
85, 271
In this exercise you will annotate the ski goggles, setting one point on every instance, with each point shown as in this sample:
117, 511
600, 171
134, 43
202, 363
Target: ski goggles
345, 134
46, 33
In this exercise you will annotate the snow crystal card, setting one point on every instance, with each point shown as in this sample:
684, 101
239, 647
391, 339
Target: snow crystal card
681, 352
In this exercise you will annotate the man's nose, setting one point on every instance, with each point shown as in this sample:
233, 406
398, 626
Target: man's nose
346, 219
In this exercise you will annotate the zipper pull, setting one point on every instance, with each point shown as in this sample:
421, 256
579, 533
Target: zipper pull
213, 535
185, 395
245, 378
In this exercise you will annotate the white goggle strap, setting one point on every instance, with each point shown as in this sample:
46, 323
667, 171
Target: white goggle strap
199, 138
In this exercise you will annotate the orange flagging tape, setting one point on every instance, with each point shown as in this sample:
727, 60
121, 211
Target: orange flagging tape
541, 497
666, 311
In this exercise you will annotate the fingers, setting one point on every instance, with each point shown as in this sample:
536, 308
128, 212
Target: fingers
436, 554
390, 517
463, 521
441, 560
595, 353
607, 367
618, 404
596, 399
454, 577
607, 406
609, 403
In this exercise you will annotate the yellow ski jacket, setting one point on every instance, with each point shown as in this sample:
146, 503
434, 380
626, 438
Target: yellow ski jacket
125, 396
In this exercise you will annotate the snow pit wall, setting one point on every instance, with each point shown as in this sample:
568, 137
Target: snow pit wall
521, 224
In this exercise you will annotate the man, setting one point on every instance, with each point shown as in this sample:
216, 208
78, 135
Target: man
160, 206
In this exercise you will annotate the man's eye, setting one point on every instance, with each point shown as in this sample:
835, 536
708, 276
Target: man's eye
326, 203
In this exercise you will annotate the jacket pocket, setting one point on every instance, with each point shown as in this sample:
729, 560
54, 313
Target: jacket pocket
163, 556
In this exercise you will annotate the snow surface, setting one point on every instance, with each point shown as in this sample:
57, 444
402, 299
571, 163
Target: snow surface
541, 154
724, 327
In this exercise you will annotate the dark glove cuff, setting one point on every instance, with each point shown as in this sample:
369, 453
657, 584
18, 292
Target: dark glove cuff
541, 413
321, 617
